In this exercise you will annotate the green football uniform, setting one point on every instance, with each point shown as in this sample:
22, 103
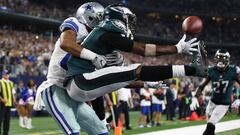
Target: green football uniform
222, 84
92, 42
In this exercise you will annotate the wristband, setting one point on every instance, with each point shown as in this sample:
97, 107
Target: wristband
87, 54
150, 50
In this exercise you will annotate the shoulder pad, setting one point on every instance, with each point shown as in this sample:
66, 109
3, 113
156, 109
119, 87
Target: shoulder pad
232, 66
114, 26
238, 70
210, 67
71, 23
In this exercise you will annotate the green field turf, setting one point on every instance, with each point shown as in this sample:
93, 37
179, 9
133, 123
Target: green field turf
46, 126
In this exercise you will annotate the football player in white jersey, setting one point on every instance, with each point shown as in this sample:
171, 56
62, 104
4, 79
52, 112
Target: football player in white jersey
69, 114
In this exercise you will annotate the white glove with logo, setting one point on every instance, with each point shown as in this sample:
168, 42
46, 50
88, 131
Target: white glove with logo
155, 85
187, 46
114, 59
99, 61
194, 105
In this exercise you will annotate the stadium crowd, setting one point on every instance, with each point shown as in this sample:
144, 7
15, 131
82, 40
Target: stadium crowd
28, 53
217, 30
24, 53
221, 7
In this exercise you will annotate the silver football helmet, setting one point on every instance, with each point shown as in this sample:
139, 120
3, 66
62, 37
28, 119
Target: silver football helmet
90, 14
222, 58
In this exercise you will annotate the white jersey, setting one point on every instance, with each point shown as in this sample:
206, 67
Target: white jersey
58, 62
124, 94
147, 94
155, 100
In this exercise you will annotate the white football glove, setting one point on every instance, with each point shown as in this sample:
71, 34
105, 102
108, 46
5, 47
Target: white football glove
154, 84
99, 61
194, 105
114, 59
187, 46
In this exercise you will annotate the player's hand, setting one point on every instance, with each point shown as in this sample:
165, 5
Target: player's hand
187, 46
99, 61
3, 101
110, 103
194, 105
155, 85
114, 59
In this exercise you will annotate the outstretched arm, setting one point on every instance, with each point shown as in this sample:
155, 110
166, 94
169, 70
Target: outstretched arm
124, 43
201, 86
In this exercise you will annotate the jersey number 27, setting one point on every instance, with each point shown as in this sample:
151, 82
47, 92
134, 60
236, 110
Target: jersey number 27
220, 86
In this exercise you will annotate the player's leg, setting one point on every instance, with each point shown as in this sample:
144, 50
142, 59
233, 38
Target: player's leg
89, 121
210, 127
21, 113
215, 114
88, 86
59, 105
29, 109
218, 113
98, 107
210, 107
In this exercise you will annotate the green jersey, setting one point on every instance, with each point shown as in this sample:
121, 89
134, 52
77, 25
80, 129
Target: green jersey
92, 42
222, 84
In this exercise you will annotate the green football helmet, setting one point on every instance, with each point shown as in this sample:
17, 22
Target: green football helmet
121, 13
222, 58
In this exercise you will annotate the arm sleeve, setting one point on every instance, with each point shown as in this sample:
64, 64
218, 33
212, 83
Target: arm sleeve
117, 40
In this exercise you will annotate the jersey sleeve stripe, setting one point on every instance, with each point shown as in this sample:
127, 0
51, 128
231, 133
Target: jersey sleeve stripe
63, 62
75, 26
66, 25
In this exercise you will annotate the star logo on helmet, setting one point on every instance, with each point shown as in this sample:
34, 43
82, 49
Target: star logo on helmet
88, 7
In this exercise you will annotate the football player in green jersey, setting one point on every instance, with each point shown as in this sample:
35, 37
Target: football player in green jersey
85, 83
222, 77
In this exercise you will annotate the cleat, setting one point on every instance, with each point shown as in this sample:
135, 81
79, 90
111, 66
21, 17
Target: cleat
199, 61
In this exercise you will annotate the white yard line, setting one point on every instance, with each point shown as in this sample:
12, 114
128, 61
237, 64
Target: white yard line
197, 130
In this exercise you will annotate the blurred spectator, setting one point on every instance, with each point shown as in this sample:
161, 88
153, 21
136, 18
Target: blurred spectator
114, 100
19, 89
26, 104
170, 98
236, 90
136, 100
7, 101
124, 100
182, 100
145, 103
158, 105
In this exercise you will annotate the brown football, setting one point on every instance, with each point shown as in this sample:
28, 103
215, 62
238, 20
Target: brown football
192, 25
